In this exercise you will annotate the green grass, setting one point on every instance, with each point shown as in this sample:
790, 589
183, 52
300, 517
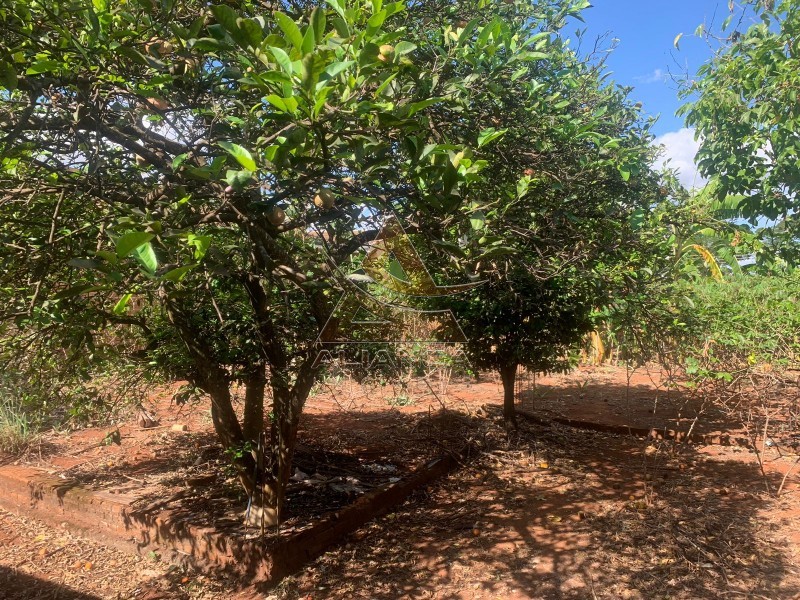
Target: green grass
15, 427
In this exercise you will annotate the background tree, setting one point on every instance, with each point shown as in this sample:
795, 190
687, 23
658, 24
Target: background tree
568, 163
708, 235
743, 104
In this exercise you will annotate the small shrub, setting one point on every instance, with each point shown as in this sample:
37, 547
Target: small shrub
401, 400
15, 427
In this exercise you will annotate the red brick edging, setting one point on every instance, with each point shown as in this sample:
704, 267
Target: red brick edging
112, 519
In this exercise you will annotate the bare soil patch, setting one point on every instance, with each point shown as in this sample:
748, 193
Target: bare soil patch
547, 512
642, 398
43, 562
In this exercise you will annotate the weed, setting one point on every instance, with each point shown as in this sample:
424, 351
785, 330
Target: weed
15, 427
401, 400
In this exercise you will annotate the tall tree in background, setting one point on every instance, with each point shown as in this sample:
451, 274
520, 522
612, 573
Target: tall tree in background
744, 106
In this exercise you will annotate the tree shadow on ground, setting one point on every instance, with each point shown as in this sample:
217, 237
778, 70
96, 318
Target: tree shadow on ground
543, 513
180, 494
562, 513
15, 585
638, 405
37, 448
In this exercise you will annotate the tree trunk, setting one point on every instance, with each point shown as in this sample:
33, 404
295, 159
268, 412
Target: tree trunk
253, 418
287, 407
265, 474
213, 380
508, 374
230, 432
267, 503
284, 443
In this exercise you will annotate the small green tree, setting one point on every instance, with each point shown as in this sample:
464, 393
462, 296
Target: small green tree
550, 228
708, 235
519, 320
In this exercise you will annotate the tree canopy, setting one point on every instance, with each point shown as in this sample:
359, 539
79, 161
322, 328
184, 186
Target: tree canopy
184, 183
743, 104
197, 173
552, 224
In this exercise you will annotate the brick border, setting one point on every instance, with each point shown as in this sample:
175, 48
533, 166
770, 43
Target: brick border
111, 519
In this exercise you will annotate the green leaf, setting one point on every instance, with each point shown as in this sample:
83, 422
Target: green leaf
312, 67
467, 31
238, 179
119, 307
676, 41
175, 275
489, 135
333, 69
107, 256
452, 248
146, 257
241, 154
282, 59
179, 160
375, 22
532, 56
227, 17
415, 107
42, 66
131, 241
522, 186
203, 173
342, 30
404, 48
337, 6
318, 23
385, 83
287, 105
132, 54
537, 40
196, 27
290, 30
625, 172
201, 244
8, 76
321, 98
309, 41
251, 32
77, 291
637, 219
207, 45
94, 21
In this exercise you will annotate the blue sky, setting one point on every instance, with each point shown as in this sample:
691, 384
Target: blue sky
645, 54
645, 57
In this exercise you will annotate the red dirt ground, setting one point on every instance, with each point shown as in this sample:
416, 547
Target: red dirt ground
546, 512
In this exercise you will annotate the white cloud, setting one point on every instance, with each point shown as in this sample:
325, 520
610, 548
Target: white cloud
654, 77
679, 150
